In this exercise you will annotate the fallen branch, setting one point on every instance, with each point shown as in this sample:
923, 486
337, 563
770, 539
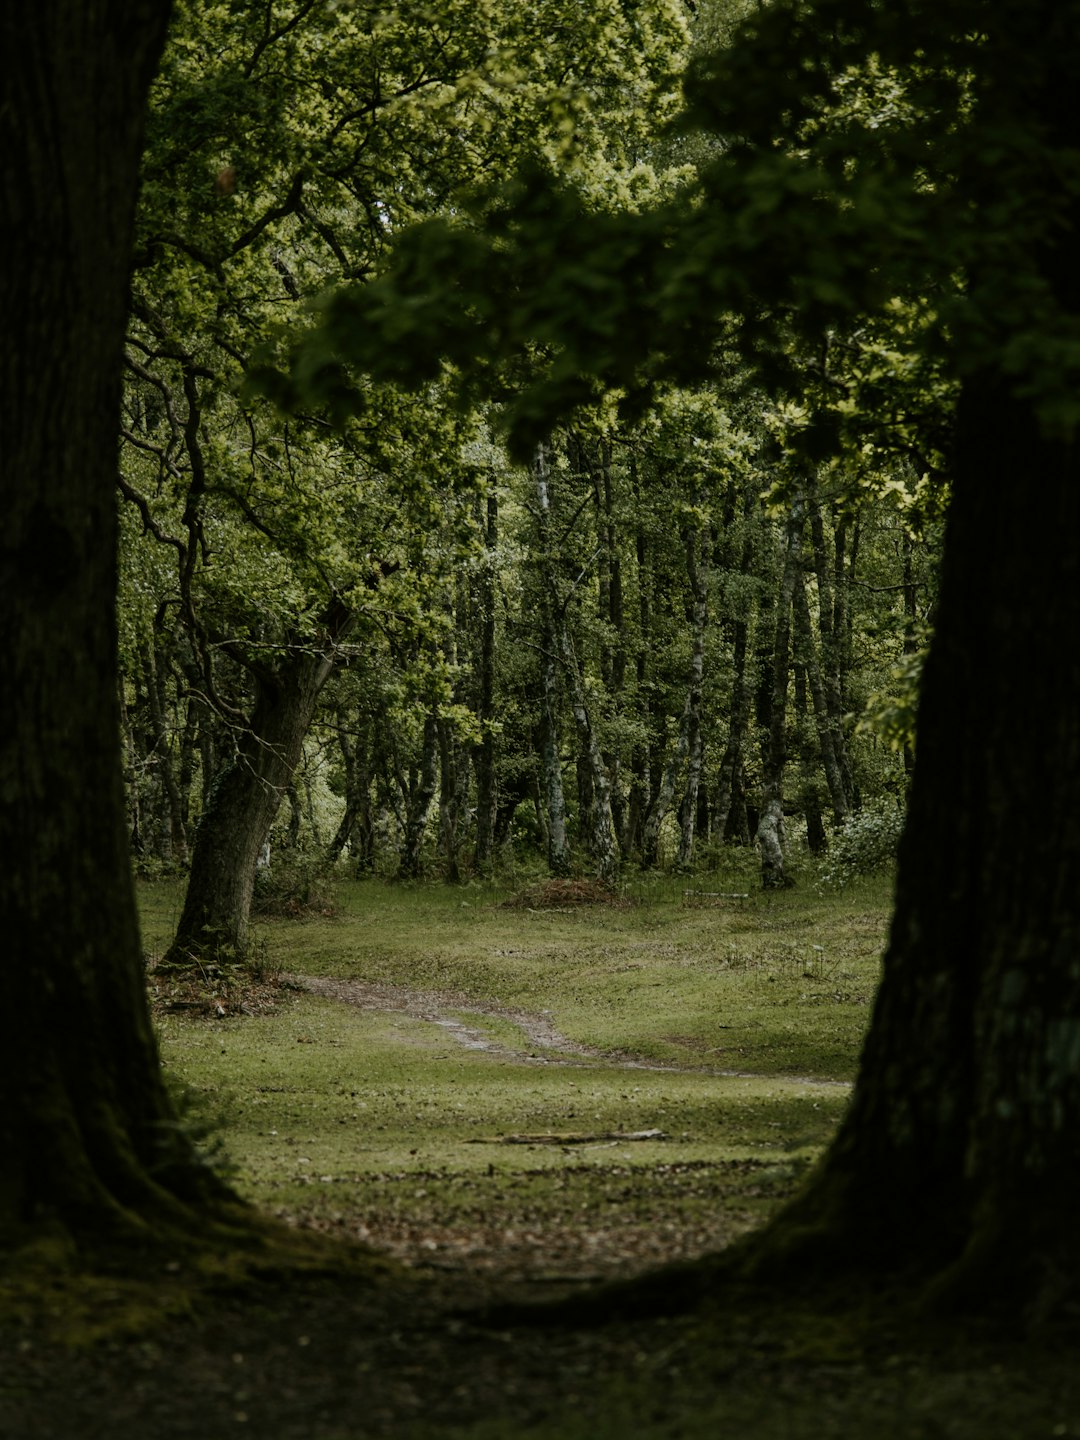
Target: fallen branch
576, 1139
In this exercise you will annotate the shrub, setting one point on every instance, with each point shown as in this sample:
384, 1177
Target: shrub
865, 843
293, 885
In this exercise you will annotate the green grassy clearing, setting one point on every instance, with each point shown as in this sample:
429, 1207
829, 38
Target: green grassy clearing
384, 1125
731, 1027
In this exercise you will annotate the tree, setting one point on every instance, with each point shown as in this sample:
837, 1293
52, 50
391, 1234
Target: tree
280, 159
89, 1137
880, 159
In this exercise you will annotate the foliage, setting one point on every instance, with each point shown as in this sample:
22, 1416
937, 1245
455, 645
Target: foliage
865, 844
244, 528
294, 884
891, 714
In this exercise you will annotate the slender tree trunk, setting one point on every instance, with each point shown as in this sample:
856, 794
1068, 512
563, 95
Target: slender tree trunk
453, 790
613, 623
131, 768
809, 757
87, 1134
770, 826
806, 654
484, 752
599, 831
661, 801
558, 846
728, 790
638, 806
350, 819
833, 584
699, 590
420, 801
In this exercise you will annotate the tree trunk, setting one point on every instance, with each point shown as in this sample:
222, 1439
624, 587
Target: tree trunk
215, 920
960, 1150
834, 618
611, 614
638, 806
729, 798
770, 826
420, 800
699, 591
87, 1134
660, 802
806, 653
558, 846
597, 826
484, 752
174, 840
453, 792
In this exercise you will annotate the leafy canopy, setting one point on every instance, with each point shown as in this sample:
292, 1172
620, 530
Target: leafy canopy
904, 170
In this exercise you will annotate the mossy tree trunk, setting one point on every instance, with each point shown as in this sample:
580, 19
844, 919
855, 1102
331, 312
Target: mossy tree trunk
87, 1134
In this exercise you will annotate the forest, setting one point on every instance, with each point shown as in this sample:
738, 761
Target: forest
386, 644
595, 484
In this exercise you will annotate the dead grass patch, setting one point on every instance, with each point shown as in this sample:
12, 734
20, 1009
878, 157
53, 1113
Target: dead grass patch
568, 895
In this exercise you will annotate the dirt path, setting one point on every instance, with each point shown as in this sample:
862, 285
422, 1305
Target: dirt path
443, 1008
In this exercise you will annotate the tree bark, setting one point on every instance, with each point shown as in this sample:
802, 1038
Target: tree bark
770, 826
454, 769
690, 720
699, 591
88, 1138
215, 921
834, 620
420, 800
960, 1151
728, 791
558, 846
827, 734
597, 825
484, 751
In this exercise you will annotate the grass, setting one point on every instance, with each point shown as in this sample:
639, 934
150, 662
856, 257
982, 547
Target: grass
495, 1161
728, 1026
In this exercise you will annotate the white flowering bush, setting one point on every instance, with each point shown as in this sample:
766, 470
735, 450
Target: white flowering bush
866, 842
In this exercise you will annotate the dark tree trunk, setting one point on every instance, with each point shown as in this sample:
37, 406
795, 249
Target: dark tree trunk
174, 840
730, 816
690, 720
87, 1134
420, 799
453, 792
215, 920
695, 748
828, 736
834, 614
961, 1150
